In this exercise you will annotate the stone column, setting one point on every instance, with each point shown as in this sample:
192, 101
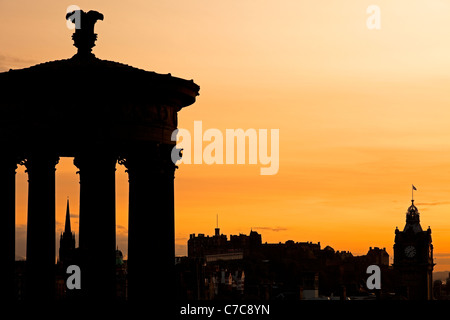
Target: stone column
8, 166
151, 243
97, 224
40, 267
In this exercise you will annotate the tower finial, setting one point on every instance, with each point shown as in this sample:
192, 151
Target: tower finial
84, 37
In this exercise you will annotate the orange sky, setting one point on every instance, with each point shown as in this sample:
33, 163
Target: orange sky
362, 113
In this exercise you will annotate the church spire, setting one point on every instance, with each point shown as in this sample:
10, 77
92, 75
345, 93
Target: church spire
67, 241
67, 228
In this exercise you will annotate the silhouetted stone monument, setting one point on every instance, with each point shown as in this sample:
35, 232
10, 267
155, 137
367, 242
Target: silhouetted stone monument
98, 112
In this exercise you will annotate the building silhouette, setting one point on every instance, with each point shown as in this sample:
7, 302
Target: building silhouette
413, 258
304, 270
70, 255
243, 267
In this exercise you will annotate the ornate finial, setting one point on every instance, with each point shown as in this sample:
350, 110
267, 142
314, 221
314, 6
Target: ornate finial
84, 37
412, 215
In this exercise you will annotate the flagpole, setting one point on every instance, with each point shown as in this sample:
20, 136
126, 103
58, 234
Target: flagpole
412, 192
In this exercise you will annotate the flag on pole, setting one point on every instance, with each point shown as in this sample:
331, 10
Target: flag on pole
414, 188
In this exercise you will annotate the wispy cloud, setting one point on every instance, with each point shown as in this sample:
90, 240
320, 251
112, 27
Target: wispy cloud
180, 250
10, 62
121, 229
274, 229
441, 254
439, 203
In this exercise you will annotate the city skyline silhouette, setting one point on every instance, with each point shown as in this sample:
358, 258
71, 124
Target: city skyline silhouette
361, 117
350, 146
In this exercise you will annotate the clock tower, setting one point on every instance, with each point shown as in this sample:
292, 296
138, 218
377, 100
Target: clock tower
413, 258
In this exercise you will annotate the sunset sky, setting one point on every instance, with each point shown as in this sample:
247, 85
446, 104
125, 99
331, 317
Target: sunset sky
362, 114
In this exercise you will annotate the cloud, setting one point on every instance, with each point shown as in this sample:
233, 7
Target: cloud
441, 254
180, 250
10, 62
433, 203
274, 229
121, 229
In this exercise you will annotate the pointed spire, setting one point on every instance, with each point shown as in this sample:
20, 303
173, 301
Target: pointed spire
67, 228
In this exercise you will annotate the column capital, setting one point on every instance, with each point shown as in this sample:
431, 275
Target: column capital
154, 159
10, 162
30, 161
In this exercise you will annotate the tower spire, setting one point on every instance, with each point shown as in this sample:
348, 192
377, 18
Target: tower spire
217, 230
67, 242
67, 228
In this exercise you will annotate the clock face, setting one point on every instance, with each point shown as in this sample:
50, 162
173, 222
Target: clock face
410, 251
